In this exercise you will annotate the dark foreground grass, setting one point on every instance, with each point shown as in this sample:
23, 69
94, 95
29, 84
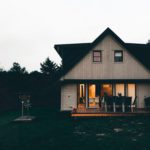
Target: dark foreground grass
54, 131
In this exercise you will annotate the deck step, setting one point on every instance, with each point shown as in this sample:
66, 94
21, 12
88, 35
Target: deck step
110, 114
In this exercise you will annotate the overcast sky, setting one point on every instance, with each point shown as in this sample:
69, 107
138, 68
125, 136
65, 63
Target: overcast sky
30, 28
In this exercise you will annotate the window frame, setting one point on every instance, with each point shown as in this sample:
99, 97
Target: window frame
115, 51
97, 56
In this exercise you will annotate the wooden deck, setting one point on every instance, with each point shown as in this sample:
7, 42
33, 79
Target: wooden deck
99, 113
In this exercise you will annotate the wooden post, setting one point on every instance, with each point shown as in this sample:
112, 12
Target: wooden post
123, 107
114, 107
86, 88
105, 107
22, 111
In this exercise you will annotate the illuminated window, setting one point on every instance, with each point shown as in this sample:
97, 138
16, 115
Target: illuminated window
106, 88
92, 90
118, 56
97, 56
94, 93
131, 91
120, 89
81, 96
82, 90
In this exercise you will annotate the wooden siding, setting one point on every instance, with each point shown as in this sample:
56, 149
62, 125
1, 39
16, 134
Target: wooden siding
143, 90
130, 68
68, 97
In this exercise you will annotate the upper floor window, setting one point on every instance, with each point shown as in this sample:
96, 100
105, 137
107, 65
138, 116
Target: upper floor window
118, 56
97, 56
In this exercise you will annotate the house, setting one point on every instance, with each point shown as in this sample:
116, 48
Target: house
107, 65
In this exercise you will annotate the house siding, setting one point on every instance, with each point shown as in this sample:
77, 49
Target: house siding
68, 97
143, 90
130, 68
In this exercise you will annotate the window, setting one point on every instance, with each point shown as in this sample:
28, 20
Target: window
81, 96
118, 56
120, 89
97, 57
131, 91
106, 88
82, 90
94, 93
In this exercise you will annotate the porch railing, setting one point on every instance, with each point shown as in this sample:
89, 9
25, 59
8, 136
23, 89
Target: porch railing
115, 102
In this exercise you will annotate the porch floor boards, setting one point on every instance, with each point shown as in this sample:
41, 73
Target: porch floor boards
100, 113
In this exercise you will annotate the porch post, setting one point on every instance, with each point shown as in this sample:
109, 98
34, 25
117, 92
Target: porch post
114, 107
105, 106
86, 87
123, 107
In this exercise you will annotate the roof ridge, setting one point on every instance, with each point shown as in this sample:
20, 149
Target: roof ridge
69, 44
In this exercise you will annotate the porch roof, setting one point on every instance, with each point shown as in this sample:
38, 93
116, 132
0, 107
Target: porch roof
106, 81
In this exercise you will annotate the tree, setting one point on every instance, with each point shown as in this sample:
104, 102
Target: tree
16, 68
48, 67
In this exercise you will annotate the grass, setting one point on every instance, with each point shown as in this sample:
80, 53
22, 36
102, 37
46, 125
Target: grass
54, 131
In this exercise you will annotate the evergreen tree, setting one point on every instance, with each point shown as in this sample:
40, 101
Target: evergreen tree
48, 67
16, 68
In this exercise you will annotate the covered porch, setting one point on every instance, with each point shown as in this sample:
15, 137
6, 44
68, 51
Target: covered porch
109, 99
100, 95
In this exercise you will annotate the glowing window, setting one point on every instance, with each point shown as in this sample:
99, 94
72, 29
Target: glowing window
131, 91
92, 90
82, 90
120, 89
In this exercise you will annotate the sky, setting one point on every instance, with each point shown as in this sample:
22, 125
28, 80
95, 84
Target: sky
29, 29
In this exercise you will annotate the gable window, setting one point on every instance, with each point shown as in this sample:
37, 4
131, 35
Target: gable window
97, 56
118, 56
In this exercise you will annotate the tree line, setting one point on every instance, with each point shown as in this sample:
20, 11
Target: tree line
43, 86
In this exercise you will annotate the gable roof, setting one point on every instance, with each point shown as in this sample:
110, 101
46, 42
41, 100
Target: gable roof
108, 31
141, 52
71, 54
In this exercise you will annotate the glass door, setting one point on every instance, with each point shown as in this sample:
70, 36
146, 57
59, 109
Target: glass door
106, 88
93, 95
81, 96
120, 89
131, 91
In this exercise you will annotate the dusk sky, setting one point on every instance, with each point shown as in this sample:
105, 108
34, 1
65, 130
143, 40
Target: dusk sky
29, 29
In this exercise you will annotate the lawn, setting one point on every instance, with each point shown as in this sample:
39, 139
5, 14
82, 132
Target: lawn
54, 131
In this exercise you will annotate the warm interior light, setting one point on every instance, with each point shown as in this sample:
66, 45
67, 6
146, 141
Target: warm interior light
106, 88
120, 89
106, 85
82, 90
92, 91
131, 91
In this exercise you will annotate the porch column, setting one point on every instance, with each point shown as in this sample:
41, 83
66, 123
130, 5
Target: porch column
86, 87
